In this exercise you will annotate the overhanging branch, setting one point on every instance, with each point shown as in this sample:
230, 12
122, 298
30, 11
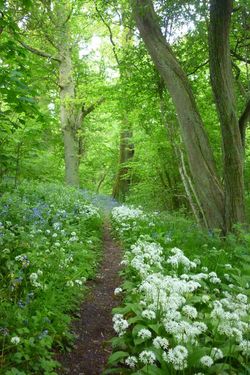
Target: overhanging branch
110, 33
38, 52
198, 67
92, 107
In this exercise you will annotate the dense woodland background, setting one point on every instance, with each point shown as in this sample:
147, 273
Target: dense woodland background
83, 102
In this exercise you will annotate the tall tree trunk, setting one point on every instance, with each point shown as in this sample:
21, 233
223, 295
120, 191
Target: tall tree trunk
222, 84
202, 166
67, 110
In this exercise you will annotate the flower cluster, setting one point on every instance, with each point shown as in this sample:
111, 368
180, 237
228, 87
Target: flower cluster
123, 213
178, 311
119, 324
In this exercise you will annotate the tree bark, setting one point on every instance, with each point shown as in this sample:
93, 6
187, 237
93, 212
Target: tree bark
222, 84
71, 143
201, 161
122, 182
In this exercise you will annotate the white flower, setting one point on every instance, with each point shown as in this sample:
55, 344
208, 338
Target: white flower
131, 361
117, 291
78, 282
33, 277
241, 298
177, 356
216, 353
206, 360
204, 269
144, 333
245, 347
15, 340
119, 324
123, 213
147, 357
179, 258
205, 298
215, 280
56, 226
69, 283
190, 311
148, 314
160, 342
212, 274
54, 235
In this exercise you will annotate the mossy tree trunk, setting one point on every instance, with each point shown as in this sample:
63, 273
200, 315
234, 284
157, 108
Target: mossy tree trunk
222, 84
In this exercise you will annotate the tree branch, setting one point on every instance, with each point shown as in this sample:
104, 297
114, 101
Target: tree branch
239, 57
68, 16
38, 52
92, 107
110, 34
198, 67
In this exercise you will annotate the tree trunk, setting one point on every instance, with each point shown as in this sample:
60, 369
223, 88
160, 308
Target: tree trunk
67, 111
222, 84
122, 183
201, 161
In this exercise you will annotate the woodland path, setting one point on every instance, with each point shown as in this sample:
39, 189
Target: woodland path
94, 327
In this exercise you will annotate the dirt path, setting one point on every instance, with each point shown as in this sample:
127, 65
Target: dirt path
94, 327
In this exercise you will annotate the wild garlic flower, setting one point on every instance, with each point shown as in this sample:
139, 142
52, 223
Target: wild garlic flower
117, 291
190, 311
206, 361
144, 333
148, 314
180, 259
177, 357
79, 282
145, 256
216, 354
33, 280
15, 340
242, 298
160, 342
119, 324
122, 213
245, 347
131, 361
185, 331
147, 357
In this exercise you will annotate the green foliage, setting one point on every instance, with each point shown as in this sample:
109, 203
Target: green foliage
50, 239
183, 311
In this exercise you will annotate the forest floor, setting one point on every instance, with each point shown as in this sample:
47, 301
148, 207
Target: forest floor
94, 327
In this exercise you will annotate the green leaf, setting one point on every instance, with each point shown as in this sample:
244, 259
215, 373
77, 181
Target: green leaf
117, 356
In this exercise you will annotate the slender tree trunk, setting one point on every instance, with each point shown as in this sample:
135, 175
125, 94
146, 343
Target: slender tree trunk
122, 183
222, 84
67, 110
201, 161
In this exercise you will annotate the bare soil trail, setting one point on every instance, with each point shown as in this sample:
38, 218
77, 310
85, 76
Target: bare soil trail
94, 327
